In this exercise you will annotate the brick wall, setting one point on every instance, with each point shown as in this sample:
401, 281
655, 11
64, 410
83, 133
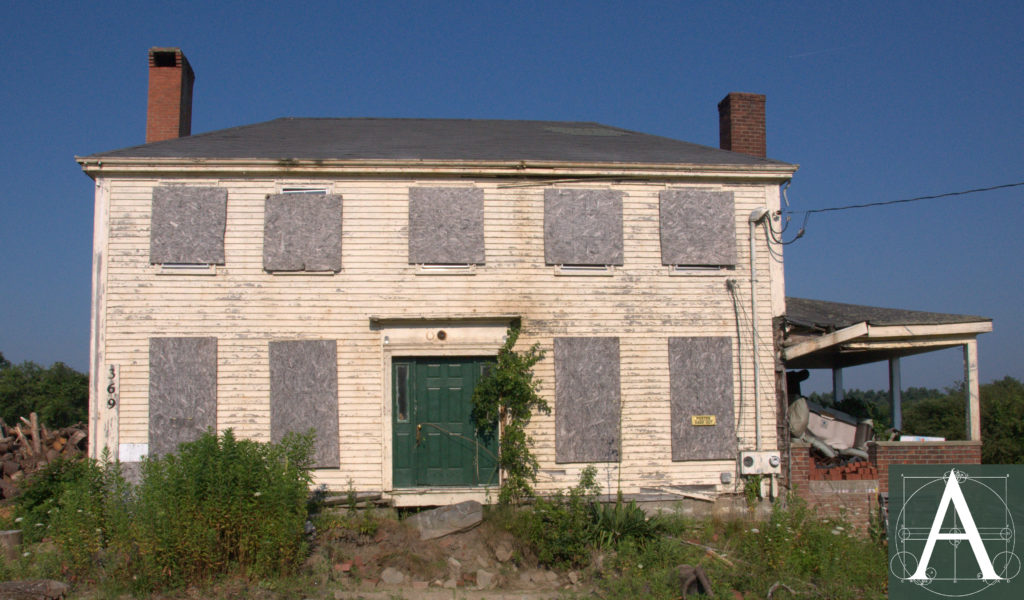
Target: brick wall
883, 454
852, 491
848, 492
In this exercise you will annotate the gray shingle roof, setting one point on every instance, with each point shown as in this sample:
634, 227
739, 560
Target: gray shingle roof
819, 314
436, 139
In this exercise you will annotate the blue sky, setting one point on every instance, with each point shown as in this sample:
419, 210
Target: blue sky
875, 101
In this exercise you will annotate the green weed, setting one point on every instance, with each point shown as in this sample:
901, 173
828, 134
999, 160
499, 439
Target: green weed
220, 505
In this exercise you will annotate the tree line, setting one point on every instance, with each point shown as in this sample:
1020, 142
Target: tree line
943, 413
58, 394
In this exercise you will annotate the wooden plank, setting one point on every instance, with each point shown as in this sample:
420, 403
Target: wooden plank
825, 341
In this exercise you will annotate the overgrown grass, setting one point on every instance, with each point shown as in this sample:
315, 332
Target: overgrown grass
220, 505
639, 556
815, 558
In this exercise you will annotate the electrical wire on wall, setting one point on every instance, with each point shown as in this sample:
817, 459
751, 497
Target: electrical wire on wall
744, 330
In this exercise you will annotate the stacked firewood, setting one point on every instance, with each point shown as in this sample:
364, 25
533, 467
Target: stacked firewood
28, 446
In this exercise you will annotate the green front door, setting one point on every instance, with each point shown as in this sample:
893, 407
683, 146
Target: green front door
435, 441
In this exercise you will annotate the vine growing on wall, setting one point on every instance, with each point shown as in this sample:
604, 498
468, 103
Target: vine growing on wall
503, 403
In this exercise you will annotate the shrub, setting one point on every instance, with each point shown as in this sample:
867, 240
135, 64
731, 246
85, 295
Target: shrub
41, 493
616, 523
91, 521
220, 503
218, 506
561, 528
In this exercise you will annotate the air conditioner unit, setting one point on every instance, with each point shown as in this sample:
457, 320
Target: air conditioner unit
761, 463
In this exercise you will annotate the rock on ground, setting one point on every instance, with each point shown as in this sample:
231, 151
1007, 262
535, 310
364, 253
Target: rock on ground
392, 576
484, 579
447, 519
33, 589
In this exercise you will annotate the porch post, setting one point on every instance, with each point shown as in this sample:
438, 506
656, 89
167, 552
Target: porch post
972, 391
837, 385
895, 393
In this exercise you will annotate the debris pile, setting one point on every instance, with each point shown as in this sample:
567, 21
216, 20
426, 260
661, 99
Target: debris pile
28, 446
859, 469
831, 432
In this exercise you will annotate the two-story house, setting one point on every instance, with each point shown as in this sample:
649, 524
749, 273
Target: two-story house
356, 276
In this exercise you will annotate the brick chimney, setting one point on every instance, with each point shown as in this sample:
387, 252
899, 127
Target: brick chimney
169, 109
741, 124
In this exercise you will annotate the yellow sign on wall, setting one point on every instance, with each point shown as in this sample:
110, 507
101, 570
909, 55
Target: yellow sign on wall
702, 419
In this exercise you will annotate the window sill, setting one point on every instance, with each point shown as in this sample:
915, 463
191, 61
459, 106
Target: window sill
301, 273
182, 269
446, 269
699, 271
584, 270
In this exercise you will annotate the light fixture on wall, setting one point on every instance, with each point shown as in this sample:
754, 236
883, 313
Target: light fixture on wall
387, 340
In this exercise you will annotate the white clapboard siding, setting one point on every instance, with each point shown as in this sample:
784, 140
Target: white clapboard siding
245, 308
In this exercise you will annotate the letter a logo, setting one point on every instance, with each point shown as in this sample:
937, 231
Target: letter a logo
954, 495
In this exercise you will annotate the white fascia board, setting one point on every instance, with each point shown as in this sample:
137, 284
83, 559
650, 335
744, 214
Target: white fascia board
95, 167
879, 332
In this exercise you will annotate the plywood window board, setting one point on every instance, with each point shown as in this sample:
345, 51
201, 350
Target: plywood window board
701, 392
446, 226
587, 399
182, 391
187, 225
582, 227
698, 228
302, 232
304, 395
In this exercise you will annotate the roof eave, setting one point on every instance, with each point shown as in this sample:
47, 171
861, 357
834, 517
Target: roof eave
100, 167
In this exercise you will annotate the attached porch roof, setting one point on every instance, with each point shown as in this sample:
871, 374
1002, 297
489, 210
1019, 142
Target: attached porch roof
833, 335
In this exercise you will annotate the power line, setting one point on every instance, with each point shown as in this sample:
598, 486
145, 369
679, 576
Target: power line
776, 236
905, 200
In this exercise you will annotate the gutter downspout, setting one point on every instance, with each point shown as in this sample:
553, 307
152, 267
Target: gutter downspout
755, 217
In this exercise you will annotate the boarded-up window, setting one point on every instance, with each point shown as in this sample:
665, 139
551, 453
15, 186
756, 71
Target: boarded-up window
698, 228
187, 225
587, 399
302, 232
446, 226
182, 391
700, 376
304, 395
582, 227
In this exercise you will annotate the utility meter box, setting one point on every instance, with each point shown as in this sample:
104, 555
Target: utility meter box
761, 463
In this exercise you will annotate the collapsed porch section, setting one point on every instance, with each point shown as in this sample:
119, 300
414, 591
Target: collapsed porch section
829, 335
